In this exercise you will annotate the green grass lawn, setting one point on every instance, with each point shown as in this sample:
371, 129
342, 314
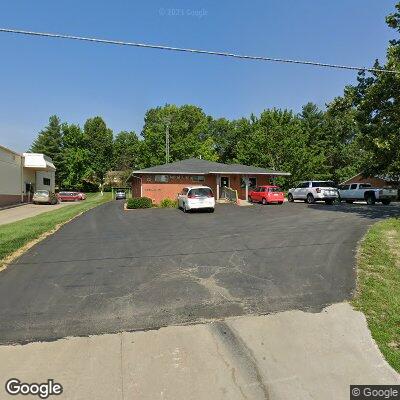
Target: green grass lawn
17, 234
378, 294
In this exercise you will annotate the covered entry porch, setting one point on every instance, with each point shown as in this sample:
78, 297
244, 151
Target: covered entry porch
233, 187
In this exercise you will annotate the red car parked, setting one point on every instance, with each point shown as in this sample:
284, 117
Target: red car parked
266, 195
69, 196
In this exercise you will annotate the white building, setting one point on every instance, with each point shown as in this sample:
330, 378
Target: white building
22, 174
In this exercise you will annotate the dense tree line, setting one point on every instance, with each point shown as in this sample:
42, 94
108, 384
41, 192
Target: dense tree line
357, 132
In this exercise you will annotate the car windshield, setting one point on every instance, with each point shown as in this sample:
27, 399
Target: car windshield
275, 189
323, 184
201, 192
42, 192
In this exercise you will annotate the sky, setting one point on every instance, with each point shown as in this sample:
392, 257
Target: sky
40, 77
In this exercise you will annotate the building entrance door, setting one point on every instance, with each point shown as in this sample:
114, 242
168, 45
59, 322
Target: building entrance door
224, 181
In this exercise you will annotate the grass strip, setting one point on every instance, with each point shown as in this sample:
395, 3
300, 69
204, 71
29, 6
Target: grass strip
378, 286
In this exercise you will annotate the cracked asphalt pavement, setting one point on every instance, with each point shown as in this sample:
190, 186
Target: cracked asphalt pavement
112, 270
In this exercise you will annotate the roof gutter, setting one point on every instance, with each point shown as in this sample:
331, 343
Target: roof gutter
211, 172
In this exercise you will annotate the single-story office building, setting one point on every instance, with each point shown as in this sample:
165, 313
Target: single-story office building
166, 181
22, 174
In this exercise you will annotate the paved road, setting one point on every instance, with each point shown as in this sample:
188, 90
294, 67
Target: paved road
111, 270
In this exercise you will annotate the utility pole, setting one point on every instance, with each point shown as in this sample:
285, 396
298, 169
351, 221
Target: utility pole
167, 143
167, 125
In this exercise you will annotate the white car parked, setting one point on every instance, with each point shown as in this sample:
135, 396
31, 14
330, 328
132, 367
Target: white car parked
312, 191
196, 197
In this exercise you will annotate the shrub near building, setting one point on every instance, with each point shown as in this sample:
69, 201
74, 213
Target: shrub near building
139, 202
168, 203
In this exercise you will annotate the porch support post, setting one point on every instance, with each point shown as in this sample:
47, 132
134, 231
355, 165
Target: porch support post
217, 181
246, 180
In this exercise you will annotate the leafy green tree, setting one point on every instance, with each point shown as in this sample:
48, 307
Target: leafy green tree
99, 142
49, 142
127, 151
278, 141
188, 134
375, 101
76, 157
227, 134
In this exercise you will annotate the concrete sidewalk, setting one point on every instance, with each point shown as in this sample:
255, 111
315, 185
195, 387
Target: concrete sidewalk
290, 355
13, 214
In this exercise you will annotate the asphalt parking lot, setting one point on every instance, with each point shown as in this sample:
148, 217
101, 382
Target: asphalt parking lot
112, 270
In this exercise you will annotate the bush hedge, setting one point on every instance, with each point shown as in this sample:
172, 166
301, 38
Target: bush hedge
168, 203
139, 202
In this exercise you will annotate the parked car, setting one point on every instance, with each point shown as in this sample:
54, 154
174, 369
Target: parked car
312, 191
69, 196
44, 197
120, 195
266, 195
365, 192
196, 197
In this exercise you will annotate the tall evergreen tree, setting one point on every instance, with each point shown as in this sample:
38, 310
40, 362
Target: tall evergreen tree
50, 143
99, 142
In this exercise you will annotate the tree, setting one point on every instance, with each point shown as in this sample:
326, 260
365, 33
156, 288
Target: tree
126, 151
188, 134
278, 141
76, 157
375, 101
99, 141
49, 142
227, 134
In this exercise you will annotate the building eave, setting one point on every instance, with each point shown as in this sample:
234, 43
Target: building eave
273, 173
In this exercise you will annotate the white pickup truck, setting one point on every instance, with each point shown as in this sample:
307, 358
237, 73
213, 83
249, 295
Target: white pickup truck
365, 192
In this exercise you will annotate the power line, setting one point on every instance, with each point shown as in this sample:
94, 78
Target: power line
196, 51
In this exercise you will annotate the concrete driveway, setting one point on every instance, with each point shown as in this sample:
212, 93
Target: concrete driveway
13, 214
109, 270
288, 355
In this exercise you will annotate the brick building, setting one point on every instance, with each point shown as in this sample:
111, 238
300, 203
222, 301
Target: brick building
375, 181
166, 181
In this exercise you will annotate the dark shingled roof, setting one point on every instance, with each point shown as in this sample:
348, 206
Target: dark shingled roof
198, 166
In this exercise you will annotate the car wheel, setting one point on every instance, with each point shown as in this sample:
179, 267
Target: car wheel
349, 201
370, 199
264, 201
211, 210
310, 199
250, 199
385, 202
280, 202
329, 202
290, 198
185, 210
